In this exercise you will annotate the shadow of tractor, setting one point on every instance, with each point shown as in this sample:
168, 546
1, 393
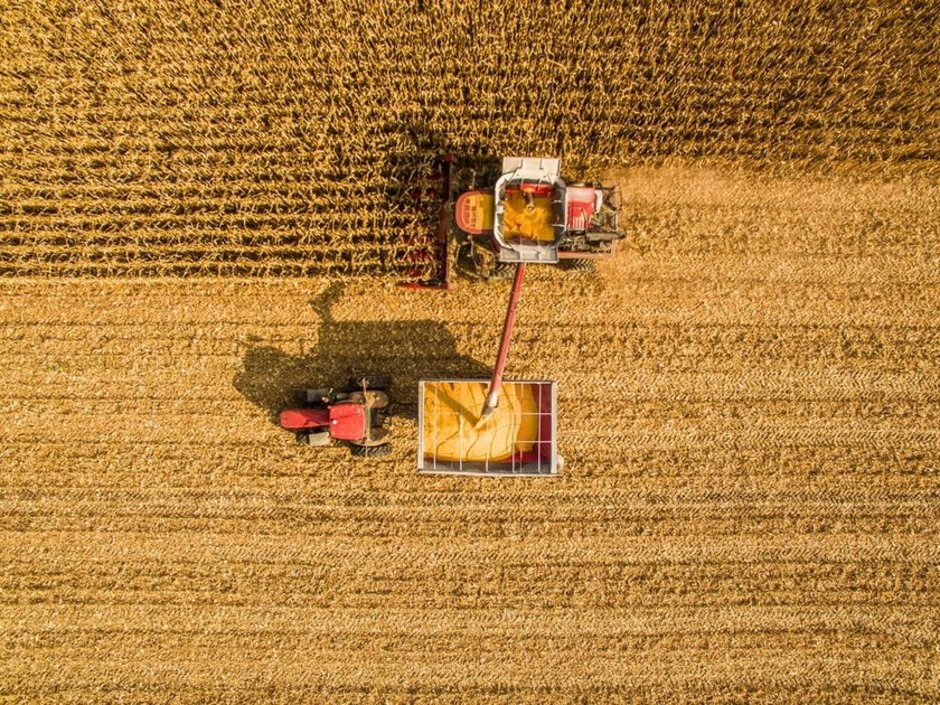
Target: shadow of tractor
406, 350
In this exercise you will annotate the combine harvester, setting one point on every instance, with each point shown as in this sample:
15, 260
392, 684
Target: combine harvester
582, 221
481, 427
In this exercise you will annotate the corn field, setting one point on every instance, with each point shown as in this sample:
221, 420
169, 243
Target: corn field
290, 138
206, 206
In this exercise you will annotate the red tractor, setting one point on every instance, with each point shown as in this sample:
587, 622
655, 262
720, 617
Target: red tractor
354, 414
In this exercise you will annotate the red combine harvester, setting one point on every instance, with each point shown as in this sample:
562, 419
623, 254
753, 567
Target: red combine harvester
354, 415
580, 221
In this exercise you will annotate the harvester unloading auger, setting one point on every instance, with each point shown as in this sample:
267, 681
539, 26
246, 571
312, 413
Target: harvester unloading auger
530, 214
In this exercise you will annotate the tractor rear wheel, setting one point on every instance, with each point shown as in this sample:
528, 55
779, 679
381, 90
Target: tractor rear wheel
373, 382
379, 451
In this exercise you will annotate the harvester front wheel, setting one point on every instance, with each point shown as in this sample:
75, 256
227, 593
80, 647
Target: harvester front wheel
379, 451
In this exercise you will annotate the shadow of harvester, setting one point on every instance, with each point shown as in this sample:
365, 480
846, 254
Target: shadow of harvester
406, 350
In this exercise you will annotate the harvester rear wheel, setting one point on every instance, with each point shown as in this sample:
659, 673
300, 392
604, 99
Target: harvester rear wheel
503, 270
576, 265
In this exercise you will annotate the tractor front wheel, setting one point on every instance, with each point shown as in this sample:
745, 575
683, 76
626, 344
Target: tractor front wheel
369, 382
379, 451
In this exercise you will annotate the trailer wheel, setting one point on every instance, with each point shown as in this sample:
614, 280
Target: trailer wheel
314, 438
379, 451
375, 382
576, 265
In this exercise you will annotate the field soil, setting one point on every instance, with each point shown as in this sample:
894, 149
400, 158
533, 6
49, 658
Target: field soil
749, 410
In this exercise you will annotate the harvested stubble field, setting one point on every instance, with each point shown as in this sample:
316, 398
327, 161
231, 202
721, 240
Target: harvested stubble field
750, 391
749, 511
